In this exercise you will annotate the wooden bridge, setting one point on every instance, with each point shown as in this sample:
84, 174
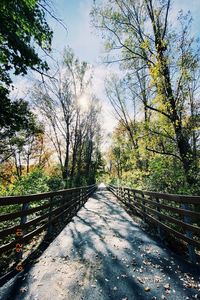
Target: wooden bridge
102, 253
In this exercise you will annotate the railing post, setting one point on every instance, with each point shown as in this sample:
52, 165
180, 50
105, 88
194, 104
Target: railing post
72, 199
23, 221
19, 234
159, 230
124, 196
144, 208
82, 196
120, 192
77, 206
62, 202
50, 226
134, 198
191, 248
74, 196
85, 194
78, 203
129, 198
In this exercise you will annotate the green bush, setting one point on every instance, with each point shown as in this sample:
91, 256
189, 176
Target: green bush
55, 183
166, 175
32, 183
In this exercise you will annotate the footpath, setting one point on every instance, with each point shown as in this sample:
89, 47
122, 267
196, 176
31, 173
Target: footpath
102, 254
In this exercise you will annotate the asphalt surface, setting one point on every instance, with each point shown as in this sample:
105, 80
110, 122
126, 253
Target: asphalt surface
103, 254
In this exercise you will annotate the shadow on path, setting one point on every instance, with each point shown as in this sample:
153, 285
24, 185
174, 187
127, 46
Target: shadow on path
103, 254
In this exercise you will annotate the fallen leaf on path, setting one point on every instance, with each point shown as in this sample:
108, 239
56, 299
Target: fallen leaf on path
114, 257
141, 270
157, 279
140, 279
23, 290
146, 262
167, 286
81, 284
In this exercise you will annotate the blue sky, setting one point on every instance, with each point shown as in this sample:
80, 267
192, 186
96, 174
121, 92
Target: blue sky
75, 14
81, 37
88, 46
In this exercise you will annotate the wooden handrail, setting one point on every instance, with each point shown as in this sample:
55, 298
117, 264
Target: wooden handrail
179, 211
10, 200
41, 217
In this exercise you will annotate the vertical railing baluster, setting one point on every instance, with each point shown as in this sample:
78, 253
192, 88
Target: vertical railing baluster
50, 225
128, 198
159, 230
144, 207
191, 248
134, 199
19, 235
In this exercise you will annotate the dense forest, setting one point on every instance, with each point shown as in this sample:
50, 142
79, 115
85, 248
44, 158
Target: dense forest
50, 141
156, 101
53, 139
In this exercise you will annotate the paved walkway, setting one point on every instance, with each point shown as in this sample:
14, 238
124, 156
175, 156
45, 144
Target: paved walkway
103, 254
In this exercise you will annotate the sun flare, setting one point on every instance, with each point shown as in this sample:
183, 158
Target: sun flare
83, 102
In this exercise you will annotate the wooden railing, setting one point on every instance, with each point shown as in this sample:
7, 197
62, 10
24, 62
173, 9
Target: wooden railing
28, 216
179, 215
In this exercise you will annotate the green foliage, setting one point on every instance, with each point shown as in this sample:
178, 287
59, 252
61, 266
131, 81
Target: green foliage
163, 63
22, 24
17, 111
37, 181
15, 116
33, 183
166, 174
19, 129
55, 183
76, 133
153, 171
22, 27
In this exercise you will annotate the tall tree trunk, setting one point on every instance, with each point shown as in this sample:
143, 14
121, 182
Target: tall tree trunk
65, 170
183, 144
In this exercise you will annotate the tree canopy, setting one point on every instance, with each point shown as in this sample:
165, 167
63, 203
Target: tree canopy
163, 71
22, 27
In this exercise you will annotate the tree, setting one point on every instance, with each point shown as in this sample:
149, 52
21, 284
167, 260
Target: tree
23, 149
126, 107
140, 31
14, 115
22, 27
73, 130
